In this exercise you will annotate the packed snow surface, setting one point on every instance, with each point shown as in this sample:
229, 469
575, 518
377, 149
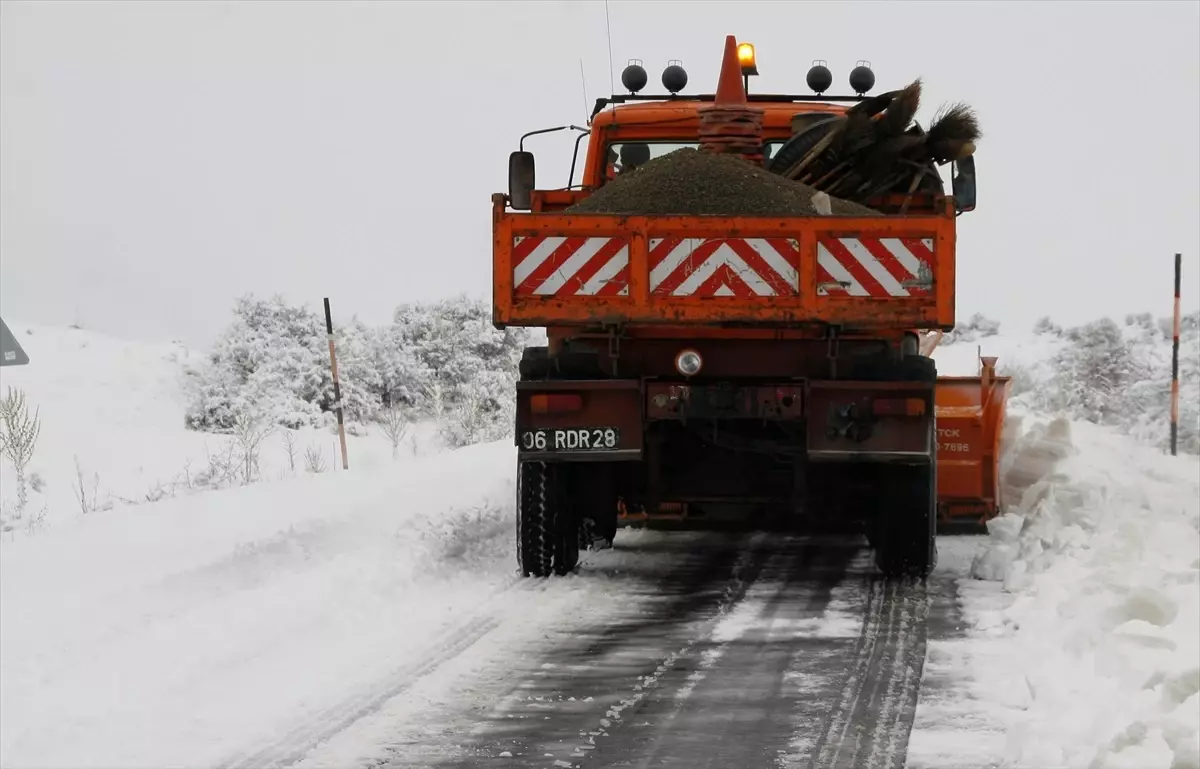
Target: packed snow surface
175, 635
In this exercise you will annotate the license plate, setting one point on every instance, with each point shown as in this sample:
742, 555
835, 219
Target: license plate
571, 439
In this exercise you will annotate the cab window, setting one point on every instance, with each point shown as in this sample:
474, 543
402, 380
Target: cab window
626, 156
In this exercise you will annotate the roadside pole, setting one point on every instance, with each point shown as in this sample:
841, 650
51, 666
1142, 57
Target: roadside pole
1175, 361
337, 389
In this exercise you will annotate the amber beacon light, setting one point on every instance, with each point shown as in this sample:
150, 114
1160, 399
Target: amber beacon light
745, 54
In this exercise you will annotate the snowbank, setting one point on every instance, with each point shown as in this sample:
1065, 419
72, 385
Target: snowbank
178, 633
1098, 660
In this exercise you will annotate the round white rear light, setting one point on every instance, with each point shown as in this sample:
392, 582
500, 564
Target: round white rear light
688, 362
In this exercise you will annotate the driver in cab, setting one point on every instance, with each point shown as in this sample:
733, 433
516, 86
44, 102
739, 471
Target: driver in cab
631, 156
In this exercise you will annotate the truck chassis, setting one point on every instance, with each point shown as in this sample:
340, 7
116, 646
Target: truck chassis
794, 441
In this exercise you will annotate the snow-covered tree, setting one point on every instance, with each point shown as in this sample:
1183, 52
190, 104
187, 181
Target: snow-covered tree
400, 374
358, 377
978, 326
269, 362
1094, 370
272, 364
1119, 374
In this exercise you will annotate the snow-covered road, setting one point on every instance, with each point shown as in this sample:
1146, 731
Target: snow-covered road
332, 622
701, 649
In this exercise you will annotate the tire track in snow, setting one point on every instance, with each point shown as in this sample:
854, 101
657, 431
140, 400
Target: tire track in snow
288, 747
872, 714
738, 579
702, 684
604, 668
733, 710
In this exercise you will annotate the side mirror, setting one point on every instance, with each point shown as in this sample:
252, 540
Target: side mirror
520, 180
964, 184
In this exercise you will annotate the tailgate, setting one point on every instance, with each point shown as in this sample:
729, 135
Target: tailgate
886, 271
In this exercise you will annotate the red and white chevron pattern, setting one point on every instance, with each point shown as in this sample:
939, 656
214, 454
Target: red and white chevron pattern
874, 267
556, 266
735, 267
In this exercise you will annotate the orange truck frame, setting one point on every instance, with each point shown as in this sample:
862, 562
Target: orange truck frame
736, 368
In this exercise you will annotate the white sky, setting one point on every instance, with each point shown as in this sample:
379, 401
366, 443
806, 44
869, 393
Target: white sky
159, 159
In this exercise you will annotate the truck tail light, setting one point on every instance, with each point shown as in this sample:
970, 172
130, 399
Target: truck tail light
557, 403
898, 407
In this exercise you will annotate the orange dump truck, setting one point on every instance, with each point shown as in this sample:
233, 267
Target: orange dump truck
736, 368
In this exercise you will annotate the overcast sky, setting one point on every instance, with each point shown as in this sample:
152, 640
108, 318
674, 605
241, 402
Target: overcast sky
159, 159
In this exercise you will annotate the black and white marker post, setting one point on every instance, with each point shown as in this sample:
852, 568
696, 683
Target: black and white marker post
1175, 361
337, 389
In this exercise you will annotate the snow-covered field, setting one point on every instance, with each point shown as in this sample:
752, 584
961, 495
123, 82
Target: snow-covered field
203, 627
177, 634
112, 426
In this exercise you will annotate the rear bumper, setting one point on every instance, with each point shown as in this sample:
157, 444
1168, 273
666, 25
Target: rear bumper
831, 421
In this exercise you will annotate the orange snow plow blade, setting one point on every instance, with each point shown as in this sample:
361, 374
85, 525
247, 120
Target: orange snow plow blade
970, 420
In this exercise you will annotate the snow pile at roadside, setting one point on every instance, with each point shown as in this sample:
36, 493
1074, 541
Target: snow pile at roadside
1101, 638
190, 631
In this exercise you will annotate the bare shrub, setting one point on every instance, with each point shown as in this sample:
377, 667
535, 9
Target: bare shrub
394, 422
222, 469
36, 521
18, 437
160, 491
289, 447
249, 432
314, 461
467, 423
1023, 380
185, 476
86, 495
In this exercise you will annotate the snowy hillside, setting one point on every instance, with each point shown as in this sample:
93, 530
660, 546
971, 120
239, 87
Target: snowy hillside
246, 624
112, 427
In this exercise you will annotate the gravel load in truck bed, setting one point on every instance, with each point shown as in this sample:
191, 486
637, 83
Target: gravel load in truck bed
692, 182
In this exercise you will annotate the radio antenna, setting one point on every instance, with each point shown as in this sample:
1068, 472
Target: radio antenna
612, 83
583, 82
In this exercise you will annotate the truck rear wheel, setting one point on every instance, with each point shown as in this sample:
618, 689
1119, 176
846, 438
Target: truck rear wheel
547, 524
905, 531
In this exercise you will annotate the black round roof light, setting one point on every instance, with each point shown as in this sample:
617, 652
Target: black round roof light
634, 76
862, 79
819, 78
674, 77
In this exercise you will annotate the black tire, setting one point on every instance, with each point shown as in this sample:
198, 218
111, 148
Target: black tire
534, 556
906, 530
547, 524
798, 146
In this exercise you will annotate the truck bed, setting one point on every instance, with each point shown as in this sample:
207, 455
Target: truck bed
554, 269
